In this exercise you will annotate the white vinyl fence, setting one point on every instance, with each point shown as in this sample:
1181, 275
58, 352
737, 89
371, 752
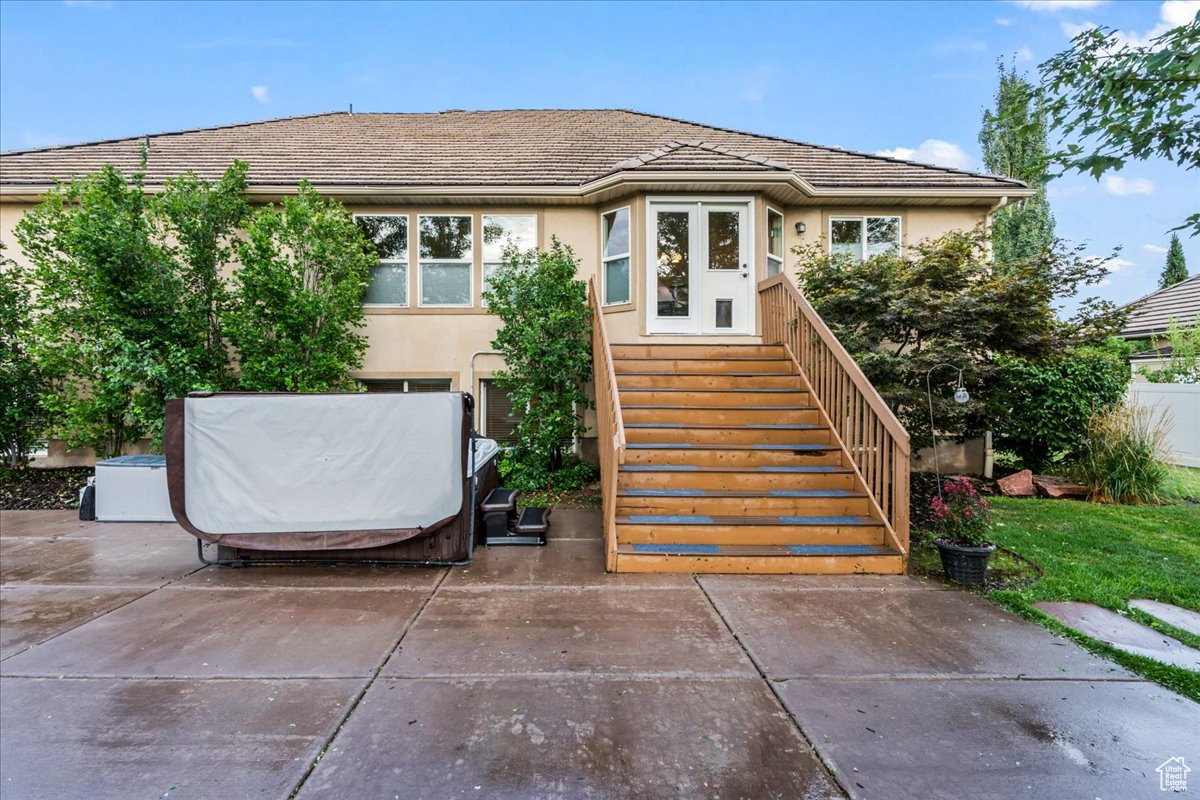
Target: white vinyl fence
1180, 404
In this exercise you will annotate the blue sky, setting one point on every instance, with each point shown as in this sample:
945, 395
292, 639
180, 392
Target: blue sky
907, 78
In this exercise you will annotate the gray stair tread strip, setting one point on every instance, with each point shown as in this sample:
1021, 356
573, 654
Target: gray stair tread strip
758, 551
704, 519
715, 374
734, 493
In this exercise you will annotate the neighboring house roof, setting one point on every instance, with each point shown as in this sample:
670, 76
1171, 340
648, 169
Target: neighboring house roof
1150, 314
497, 149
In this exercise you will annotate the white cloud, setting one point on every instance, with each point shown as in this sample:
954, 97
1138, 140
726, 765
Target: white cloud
1024, 54
1058, 5
1004, 22
1178, 12
1117, 264
1123, 187
260, 93
932, 151
1153, 248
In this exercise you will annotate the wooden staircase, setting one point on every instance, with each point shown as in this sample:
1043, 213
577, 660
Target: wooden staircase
730, 466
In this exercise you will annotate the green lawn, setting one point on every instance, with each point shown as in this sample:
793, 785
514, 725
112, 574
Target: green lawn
1102, 554
1106, 555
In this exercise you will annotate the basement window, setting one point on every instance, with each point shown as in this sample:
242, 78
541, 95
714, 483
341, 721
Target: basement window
499, 421
614, 235
864, 237
388, 284
407, 385
446, 258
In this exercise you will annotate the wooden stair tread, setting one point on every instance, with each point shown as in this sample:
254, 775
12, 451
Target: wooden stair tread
760, 493
718, 427
721, 408
699, 468
722, 357
714, 374
728, 446
782, 520
691, 390
786, 550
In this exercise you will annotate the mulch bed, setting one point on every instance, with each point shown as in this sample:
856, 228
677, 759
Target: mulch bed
42, 489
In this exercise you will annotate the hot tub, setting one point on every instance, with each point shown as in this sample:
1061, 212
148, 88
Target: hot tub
317, 477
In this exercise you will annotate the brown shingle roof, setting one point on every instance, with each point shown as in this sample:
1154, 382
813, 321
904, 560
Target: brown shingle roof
1150, 314
478, 148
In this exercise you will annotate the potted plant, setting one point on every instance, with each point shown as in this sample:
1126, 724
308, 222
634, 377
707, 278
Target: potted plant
962, 520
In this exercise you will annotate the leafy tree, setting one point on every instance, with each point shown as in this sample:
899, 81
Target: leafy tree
946, 301
1176, 269
1126, 101
202, 220
21, 413
105, 295
297, 297
545, 338
1041, 408
1013, 138
1183, 365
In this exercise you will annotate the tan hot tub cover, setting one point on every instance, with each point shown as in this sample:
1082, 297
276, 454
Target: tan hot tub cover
301, 472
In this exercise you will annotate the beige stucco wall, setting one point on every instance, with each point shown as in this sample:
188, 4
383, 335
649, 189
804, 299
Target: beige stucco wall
417, 342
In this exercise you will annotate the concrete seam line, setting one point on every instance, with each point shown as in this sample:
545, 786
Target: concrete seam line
833, 776
353, 705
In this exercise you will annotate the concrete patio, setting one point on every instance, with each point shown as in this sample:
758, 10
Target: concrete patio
128, 670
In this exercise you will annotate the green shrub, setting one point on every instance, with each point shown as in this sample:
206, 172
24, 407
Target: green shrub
1121, 456
20, 380
1040, 410
545, 339
1184, 363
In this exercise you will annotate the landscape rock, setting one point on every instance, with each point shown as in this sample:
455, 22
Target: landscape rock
1058, 488
1019, 484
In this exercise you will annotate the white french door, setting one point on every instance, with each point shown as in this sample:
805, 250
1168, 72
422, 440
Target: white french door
700, 280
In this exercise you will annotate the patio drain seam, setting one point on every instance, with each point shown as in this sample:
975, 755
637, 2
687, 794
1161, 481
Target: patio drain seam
354, 703
771, 687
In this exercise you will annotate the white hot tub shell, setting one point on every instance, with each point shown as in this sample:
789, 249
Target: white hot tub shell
133, 489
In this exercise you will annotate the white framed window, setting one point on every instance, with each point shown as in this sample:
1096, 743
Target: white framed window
407, 385
864, 237
614, 250
774, 242
503, 232
446, 255
389, 278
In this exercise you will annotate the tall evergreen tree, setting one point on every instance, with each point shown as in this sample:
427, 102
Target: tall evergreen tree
1013, 137
1176, 269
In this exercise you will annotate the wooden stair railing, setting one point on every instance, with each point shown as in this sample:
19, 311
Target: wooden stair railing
867, 430
611, 441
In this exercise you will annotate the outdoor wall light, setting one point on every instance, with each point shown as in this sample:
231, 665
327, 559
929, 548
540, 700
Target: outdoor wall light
801, 227
961, 396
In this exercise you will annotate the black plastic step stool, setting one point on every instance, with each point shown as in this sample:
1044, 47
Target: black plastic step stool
502, 526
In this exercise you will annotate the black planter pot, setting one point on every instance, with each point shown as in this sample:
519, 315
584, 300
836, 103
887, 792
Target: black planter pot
964, 564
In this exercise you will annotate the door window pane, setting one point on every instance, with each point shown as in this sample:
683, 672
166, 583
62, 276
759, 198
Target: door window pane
446, 237
846, 237
615, 227
724, 240
883, 235
388, 286
444, 284
616, 281
674, 263
724, 314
